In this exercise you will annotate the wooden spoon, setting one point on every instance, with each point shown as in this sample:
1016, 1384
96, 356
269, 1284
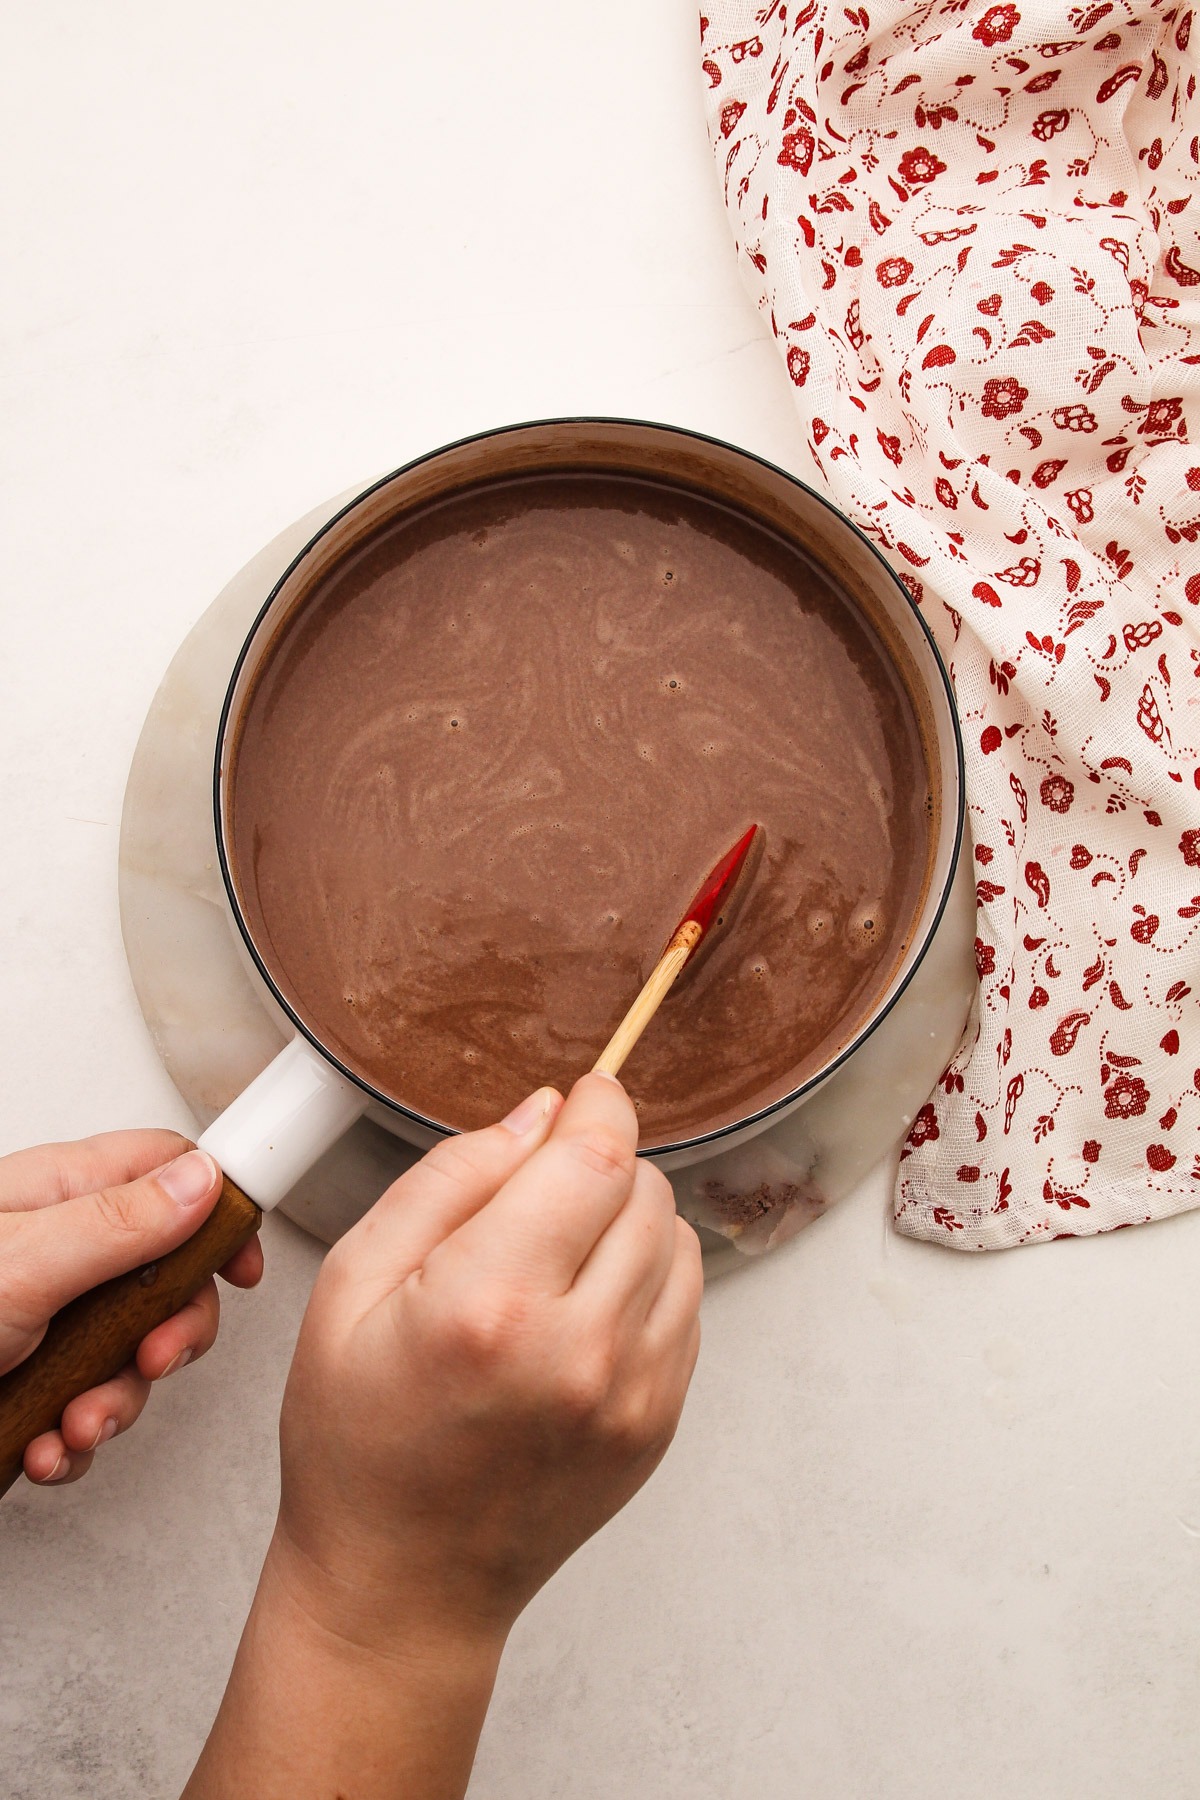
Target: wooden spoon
684, 941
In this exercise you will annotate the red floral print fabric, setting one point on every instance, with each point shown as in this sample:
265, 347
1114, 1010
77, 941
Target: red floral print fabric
973, 230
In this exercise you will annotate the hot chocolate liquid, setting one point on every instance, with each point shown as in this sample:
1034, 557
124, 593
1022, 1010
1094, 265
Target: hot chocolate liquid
480, 776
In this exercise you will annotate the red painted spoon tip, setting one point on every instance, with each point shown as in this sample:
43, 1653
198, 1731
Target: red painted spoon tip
714, 890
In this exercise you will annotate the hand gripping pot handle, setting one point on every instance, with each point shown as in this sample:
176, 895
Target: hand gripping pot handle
264, 1142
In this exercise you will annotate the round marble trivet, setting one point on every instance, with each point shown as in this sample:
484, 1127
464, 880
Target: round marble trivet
210, 1022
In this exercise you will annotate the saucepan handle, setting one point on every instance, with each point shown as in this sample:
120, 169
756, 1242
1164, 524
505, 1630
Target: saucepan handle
98, 1334
272, 1133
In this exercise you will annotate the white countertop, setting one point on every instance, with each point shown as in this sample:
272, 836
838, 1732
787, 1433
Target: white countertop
932, 1523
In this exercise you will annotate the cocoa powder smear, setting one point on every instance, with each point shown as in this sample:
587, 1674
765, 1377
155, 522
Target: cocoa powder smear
480, 777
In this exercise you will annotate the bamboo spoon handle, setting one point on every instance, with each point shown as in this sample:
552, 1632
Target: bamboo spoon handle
98, 1334
650, 999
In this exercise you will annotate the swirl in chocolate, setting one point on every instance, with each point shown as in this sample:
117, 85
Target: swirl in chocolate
481, 774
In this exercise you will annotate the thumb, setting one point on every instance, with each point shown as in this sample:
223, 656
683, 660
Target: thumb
56, 1253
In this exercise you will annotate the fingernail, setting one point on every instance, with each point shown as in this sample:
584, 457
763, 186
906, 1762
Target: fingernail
190, 1178
62, 1467
106, 1431
176, 1362
605, 1076
531, 1112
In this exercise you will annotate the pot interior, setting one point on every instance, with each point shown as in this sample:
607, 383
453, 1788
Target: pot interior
706, 468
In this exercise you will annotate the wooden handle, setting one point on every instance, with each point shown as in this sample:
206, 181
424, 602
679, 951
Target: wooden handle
661, 979
97, 1335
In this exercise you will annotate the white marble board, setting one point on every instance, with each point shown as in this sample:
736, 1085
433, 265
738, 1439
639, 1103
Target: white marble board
210, 1018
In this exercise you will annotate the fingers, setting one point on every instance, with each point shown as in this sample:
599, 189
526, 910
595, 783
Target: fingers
102, 1413
54, 1253
95, 1417
546, 1218
626, 1267
448, 1186
50, 1173
668, 1342
77, 1214
90, 1420
674, 1376
182, 1338
641, 1290
674, 1315
245, 1267
49, 1463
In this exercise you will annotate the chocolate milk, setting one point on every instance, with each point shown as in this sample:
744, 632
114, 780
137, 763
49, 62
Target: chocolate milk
480, 777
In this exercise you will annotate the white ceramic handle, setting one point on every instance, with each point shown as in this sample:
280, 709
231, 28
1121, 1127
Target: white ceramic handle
275, 1130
